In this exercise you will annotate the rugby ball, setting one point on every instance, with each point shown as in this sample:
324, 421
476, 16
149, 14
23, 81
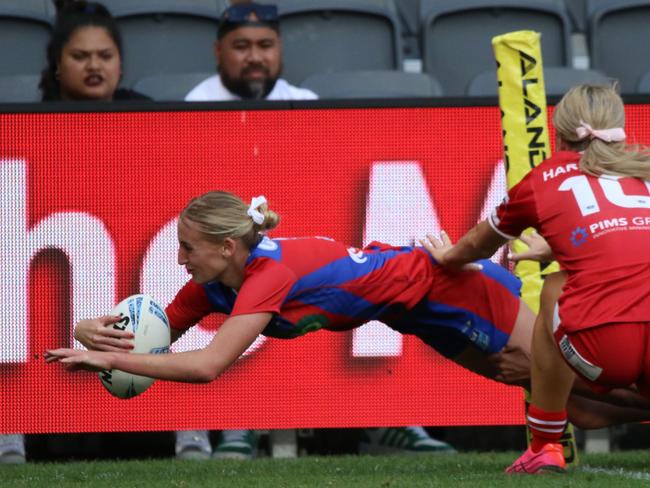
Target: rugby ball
148, 321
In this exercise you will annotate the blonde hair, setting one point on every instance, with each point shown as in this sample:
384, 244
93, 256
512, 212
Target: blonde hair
220, 214
602, 108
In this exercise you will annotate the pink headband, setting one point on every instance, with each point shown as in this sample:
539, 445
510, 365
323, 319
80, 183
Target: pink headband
615, 134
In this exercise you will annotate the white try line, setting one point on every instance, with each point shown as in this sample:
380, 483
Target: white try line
620, 472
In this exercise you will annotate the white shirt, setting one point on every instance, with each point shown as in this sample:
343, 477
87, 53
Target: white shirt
212, 89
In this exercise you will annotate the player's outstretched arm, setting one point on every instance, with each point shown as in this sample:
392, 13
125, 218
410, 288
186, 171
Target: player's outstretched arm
200, 366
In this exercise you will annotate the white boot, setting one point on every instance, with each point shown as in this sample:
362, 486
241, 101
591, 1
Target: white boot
193, 444
12, 449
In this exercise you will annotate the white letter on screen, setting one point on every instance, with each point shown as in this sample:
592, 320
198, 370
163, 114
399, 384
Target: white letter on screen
399, 211
496, 193
84, 240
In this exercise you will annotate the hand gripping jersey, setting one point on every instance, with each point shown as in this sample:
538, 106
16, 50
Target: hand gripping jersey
317, 283
599, 230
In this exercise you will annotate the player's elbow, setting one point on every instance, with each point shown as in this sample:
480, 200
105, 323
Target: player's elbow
208, 372
203, 376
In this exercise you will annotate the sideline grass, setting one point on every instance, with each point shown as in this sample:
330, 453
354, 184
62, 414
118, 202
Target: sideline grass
622, 469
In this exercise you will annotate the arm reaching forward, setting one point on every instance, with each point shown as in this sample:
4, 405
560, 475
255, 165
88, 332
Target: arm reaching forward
200, 366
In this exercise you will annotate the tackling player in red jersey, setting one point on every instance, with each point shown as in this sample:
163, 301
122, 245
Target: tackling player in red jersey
591, 202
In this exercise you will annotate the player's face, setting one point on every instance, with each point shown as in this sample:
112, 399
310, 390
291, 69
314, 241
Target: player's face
90, 65
203, 259
249, 60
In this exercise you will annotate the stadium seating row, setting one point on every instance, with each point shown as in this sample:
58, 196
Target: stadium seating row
452, 39
356, 84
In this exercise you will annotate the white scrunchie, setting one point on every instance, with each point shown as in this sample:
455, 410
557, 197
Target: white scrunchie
253, 213
615, 134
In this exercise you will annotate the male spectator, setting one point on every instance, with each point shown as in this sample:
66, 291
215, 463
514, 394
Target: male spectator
248, 52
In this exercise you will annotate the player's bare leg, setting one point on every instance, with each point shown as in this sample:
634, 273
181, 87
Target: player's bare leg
551, 383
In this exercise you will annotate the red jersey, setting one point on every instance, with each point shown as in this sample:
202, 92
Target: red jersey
599, 230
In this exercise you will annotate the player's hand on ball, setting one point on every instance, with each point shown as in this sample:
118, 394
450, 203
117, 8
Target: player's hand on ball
439, 247
97, 334
538, 249
74, 359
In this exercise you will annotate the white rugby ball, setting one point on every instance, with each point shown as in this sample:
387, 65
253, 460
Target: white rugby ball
148, 321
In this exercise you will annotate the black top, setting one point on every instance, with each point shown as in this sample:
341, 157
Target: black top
126, 94
118, 95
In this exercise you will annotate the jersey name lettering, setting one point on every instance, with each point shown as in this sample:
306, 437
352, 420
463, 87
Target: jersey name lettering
560, 170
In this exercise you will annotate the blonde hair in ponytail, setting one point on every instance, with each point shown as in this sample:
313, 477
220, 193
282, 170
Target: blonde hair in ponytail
602, 108
220, 214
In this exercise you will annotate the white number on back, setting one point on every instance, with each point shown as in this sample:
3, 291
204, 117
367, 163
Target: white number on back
586, 198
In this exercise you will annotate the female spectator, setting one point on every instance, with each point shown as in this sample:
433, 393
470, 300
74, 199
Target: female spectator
84, 56
591, 202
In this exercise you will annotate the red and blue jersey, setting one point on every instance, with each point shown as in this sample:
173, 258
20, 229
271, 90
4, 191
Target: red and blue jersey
317, 283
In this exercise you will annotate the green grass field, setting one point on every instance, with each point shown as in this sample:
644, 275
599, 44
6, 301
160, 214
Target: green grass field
621, 469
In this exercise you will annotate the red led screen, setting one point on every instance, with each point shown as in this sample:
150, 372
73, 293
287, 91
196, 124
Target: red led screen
88, 204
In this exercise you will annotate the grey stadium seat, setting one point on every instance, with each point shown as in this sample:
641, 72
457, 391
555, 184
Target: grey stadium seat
557, 81
457, 36
19, 88
169, 87
373, 84
409, 15
618, 38
578, 12
167, 36
25, 27
644, 83
338, 35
